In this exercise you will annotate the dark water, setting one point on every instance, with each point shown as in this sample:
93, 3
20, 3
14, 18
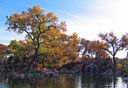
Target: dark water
67, 81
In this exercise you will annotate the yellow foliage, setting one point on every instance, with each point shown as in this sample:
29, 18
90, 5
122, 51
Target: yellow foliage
37, 9
28, 40
44, 18
63, 36
16, 15
74, 35
50, 15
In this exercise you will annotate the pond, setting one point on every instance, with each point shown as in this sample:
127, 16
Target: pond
67, 81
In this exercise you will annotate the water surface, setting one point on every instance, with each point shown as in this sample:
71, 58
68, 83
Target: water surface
67, 81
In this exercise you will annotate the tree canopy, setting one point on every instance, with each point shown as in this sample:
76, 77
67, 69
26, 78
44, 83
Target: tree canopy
45, 37
114, 44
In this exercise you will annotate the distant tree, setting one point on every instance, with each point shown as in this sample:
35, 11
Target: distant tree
114, 45
92, 49
125, 41
67, 49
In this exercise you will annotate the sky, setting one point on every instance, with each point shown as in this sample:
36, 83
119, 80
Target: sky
87, 18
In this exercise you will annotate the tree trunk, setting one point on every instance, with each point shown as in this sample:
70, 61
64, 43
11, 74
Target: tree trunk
114, 59
33, 59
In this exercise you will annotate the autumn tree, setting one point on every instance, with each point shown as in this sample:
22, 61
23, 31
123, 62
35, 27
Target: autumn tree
66, 51
45, 38
92, 49
114, 45
36, 25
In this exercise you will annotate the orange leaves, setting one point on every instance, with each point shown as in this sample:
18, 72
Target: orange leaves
3, 52
28, 40
33, 20
53, 33
59, 51
50, 15
64, 36
34, 29
3, 48
67, 49
73, 40
44, 18
20, 18
94, 47
36, 10
16, 15
74, 35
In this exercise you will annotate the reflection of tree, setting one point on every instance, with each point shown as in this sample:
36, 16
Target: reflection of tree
66, 81
125, 80
21, 83
1, 79
96, 81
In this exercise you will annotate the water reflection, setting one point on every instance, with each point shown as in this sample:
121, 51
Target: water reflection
67, 81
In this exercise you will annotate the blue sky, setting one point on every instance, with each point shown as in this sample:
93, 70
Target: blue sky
88, 18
